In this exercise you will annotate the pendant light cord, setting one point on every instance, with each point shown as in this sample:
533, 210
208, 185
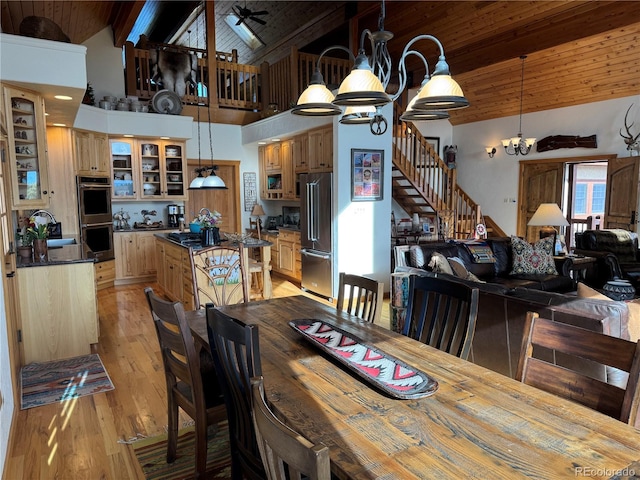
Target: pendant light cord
523, 57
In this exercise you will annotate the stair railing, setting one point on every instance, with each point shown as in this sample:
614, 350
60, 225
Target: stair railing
428, 174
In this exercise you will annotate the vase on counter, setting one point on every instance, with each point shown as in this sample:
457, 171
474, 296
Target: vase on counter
40, 250
210, 236
25, 252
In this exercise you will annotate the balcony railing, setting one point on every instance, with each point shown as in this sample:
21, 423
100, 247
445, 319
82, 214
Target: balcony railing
237, 86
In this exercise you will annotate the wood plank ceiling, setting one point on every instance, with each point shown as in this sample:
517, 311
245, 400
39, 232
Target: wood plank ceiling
578, 51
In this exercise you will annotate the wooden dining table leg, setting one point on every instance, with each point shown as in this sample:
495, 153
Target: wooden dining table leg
267, 289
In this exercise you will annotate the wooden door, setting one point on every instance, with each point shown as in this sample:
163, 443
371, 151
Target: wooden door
227, 202
539, 183
622, 193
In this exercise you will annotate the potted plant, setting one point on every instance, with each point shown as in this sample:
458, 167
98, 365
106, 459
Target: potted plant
25, 240
39, 232
209, 226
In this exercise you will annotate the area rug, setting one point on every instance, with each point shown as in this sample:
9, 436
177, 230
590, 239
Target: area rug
151, 454
62, 380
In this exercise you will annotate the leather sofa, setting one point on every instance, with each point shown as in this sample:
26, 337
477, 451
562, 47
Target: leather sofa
419, 256
500, 324
617, 255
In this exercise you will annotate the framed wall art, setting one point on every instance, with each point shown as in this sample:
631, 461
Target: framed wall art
435, 143
366, 174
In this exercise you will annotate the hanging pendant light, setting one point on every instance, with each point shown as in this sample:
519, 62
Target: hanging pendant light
518, 145
196, 183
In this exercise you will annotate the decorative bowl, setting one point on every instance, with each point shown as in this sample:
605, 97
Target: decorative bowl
149, 189
194, 227
174, 178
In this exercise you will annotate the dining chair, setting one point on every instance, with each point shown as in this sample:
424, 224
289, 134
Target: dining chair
189, 387
442, 313
363, 296
558, 337
219, 276
286, 455
236, 353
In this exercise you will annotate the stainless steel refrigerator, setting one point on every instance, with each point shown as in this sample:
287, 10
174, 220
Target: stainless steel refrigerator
316, 233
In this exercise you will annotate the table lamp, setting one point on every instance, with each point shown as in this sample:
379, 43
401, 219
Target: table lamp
548, 216
258, 211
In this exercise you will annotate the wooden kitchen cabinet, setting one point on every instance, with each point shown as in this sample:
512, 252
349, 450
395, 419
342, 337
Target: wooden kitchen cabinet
288, 259
105, 273
147, 169
288, 178
271, 172
321, 150
174, 272
58, 311
27, 152
272, 158
135, 254
300, 153
91, 153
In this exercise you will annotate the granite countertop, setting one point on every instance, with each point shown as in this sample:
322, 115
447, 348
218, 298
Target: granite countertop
64, 255
249, 243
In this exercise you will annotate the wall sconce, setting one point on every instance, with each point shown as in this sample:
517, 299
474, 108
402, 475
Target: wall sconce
491, 151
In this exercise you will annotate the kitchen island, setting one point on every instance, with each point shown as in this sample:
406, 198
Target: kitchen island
174, 266
58, 308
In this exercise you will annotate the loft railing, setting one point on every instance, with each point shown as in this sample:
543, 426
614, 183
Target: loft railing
238, 86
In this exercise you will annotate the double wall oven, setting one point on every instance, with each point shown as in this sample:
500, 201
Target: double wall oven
96, 219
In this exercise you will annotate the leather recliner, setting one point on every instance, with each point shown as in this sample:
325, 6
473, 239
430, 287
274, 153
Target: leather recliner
617, 254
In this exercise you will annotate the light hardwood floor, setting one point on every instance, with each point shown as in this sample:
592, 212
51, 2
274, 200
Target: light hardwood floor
82, 439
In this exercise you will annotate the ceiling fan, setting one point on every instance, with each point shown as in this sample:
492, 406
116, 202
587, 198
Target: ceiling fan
245, 13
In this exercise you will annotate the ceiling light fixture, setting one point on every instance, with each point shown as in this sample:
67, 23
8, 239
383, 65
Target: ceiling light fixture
366, 84
518, 145
243, 31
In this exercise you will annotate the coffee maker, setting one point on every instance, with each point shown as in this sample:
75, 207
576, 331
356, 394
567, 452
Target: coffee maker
173, 215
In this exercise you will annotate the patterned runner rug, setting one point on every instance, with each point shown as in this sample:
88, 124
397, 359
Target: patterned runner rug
151, 454
62, 380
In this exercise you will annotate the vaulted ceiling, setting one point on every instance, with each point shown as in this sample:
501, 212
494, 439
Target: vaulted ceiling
577, 51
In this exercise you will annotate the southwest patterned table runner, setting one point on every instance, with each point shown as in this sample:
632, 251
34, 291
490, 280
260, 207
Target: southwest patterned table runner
383, 371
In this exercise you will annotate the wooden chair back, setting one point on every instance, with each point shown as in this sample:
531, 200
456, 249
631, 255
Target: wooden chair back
237, 356
579, 342
363, 296
286, 455
442, 313
219, 276
184, 378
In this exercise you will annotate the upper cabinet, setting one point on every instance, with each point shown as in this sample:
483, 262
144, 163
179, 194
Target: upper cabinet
148, 169
282, 163
91, 152
27, 149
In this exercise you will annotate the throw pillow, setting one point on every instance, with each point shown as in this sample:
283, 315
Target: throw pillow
460, 270
439, 264
533, 259
585, 291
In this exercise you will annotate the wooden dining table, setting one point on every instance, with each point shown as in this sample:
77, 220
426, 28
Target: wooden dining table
478, 423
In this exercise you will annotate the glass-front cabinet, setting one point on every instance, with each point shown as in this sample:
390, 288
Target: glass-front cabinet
148, 169
122, 169
27, 149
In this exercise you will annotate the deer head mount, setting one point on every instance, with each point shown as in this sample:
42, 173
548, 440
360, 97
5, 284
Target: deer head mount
631, 141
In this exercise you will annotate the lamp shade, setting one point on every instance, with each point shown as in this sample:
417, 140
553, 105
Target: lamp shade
548, 214
361, 87
441, 92
257, 210
316, 101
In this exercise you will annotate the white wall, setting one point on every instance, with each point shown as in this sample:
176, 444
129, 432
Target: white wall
104, 65
493, 182
362, 229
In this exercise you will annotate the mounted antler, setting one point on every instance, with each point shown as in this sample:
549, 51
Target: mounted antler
630, 140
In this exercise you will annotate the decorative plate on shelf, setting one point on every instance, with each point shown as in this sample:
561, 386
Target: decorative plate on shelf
166, 101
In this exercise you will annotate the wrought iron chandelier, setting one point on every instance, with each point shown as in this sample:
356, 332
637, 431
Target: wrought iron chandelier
363, 91
518, 145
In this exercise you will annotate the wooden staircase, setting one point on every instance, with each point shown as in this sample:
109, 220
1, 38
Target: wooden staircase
423, 184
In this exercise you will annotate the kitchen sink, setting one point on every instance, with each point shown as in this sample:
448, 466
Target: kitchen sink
60, 242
